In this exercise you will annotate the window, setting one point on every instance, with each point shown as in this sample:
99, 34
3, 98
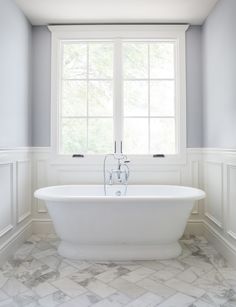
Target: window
118, 83
149, 97
86, 105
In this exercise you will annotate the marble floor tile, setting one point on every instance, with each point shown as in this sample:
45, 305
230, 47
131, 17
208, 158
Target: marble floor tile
130, 289
153, 265
77, 263
44, 289
138, 274
69, 287
34, 238
13, 287
3, 279
175, 264
100, 288
165, 274
43, 245
216, 299
9, 303
146, 300
107, 303
197, 261
112, 274
95, 269
216, 286
65, 269
185, 252
228, 274
84, 300
37, 276
51, 261
229, 304
130, 265
26, 298
156, 287
25, 250
184, 287
217, 260
178, 300
115, 300
45, 253
191, 274
119, 298
81, 277
200, 303
3, 296
31, 264
54, 299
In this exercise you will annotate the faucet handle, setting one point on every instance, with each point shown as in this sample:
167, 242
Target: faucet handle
77, 156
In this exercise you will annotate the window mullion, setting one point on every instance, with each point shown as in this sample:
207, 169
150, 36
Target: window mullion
118, 94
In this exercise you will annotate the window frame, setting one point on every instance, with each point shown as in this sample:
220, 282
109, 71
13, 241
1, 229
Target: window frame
117, 32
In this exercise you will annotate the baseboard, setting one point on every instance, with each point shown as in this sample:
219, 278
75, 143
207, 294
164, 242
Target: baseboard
193, 227
9, 247
42, 226
223, 246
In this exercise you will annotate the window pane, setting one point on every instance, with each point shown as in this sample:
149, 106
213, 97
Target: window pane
162, 98
135, 60
100, 98
75, 61
162, 60
74, 100
136, 98
100, 60
136, 135
73, 139
162, 135
100, 135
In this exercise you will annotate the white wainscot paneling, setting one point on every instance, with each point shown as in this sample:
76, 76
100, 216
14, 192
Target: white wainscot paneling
195, 182
41, 181
213, 182
166, 176
23, 179
75, 176
6, 197
231, 201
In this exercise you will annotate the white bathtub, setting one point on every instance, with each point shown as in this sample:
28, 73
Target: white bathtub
146, 224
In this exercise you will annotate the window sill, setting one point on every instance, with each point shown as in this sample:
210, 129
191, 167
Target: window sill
59, 159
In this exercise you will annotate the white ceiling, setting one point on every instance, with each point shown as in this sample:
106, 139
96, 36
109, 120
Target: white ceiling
41, 12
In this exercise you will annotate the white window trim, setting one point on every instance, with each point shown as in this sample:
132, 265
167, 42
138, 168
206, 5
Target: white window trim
75, 32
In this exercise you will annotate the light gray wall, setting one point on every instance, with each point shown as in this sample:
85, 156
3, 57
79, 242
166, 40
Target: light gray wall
219, 76
194, 86
15, 76
41, 86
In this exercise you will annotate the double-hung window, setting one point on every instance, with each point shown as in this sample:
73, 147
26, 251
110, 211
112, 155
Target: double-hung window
122, 85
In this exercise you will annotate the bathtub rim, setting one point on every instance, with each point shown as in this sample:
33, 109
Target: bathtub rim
43, 194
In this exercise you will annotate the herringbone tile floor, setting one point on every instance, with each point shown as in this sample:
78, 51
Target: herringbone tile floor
38, 276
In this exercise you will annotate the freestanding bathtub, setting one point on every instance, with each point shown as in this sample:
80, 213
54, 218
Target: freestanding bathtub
145, 224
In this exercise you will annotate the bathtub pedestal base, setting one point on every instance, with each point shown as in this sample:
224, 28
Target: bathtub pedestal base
119, 252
